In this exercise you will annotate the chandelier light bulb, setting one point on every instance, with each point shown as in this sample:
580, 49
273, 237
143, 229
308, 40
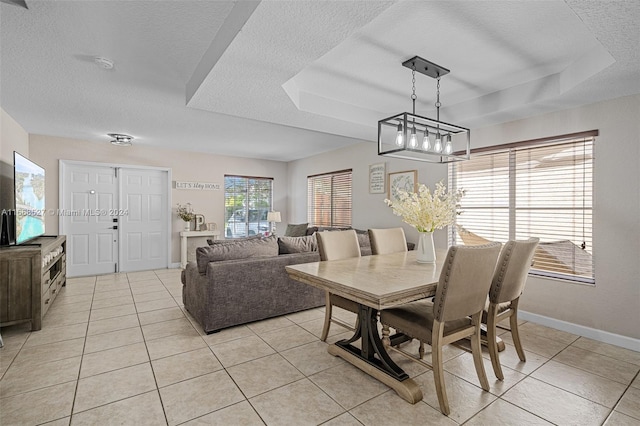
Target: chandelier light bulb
426, 143
438, 145
413, 140
399, 136
447, 147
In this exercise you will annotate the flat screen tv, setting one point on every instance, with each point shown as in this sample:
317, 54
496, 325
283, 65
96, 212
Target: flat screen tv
29, 198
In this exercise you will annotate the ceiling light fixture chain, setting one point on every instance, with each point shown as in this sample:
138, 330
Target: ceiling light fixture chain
413, 82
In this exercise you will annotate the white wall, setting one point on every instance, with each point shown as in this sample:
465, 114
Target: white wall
185, 166
613, 304
12, 138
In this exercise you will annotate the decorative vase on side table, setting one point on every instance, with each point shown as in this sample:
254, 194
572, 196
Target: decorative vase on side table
425, 252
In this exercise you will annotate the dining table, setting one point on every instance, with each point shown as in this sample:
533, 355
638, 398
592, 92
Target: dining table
375, 282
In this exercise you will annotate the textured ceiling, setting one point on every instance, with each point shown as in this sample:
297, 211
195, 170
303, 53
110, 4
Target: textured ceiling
289, 79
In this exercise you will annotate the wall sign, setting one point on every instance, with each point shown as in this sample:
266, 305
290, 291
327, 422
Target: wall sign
377, 178
201, 186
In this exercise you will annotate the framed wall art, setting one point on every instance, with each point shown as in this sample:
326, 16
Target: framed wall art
405, 181
377, 178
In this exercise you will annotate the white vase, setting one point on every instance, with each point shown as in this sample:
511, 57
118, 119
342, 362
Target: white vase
425, 252
187, 226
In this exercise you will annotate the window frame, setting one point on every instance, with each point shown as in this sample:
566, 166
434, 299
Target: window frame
245, 228
339, 215
523, 204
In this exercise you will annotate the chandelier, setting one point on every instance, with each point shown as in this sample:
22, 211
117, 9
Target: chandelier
414, 137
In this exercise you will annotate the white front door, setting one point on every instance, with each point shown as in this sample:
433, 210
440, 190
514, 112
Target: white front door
90, 197
143, 223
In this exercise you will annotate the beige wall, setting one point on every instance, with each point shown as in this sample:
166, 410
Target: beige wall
12, 138
613, 304
185, 166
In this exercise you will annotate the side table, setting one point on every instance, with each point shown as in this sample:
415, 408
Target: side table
185, 235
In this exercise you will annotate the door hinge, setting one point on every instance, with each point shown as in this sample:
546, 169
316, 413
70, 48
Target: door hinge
115, 267
115, 170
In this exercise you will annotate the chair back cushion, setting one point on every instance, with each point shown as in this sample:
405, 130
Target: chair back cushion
336, 245
464, 281
385, 241
511, 271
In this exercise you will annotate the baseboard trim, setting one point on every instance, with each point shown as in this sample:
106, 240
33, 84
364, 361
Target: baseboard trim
581, 330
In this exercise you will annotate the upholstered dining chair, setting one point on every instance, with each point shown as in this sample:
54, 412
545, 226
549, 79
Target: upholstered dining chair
385, 241
454, 314
508, 283
336, 245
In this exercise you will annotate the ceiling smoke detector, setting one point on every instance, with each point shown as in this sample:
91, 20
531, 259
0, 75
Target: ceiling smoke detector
103, 63
121, 140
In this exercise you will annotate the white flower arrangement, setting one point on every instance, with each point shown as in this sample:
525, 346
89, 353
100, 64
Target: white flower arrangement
185, 212
425, 211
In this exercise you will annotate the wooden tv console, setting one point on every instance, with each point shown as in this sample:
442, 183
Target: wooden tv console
31, 276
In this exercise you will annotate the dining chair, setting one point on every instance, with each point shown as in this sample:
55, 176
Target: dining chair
385, 241
336, 245
454, 314
508, 283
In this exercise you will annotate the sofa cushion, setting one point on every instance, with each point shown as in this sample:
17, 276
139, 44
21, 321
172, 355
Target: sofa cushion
288, 245
299, 230
257, 247
234, 240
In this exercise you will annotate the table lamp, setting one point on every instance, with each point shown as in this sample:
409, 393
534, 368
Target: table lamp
274, 217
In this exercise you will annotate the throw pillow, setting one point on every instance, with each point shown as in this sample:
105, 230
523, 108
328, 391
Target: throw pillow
299, 230
288, 245
256, 247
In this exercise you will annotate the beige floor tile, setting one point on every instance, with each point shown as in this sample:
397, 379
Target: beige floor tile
144, 409
180, 326
463, 367
63, 309
149, 287
111, 294
590, 386
509, 358
120, 276
58, 319
6, 358
269, 325
228, 334
141, 276
56, 334
344, 419
237, 414
65, 298
390, 409
184, 366
630, 403
112, 301
502, 412
555, 405
612, 351
52, 403
113, 339
602, 365
549, 333
112, 324
274, 370
241, 350
299, 403
15, 336
636, 382
160, 315
288, 337
112, 312
65, 421
79, 281
153, 295
112, 286
154, 305
49, 352
113, 359
619, 419
304, 316
465, 399
173, 345
29, 377
196, 397
537, 344
348, 385
113, 386
315, 327
311, 358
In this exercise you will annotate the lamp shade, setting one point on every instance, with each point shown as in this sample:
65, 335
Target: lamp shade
273, 217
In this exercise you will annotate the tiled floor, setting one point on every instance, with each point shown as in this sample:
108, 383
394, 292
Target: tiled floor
119, 349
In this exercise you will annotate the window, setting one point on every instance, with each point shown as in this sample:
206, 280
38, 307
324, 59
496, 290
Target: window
247, 200
329, 199
541, 189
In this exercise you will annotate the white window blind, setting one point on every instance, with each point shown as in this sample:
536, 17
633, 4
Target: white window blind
542, 190
247, 202
329, 199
